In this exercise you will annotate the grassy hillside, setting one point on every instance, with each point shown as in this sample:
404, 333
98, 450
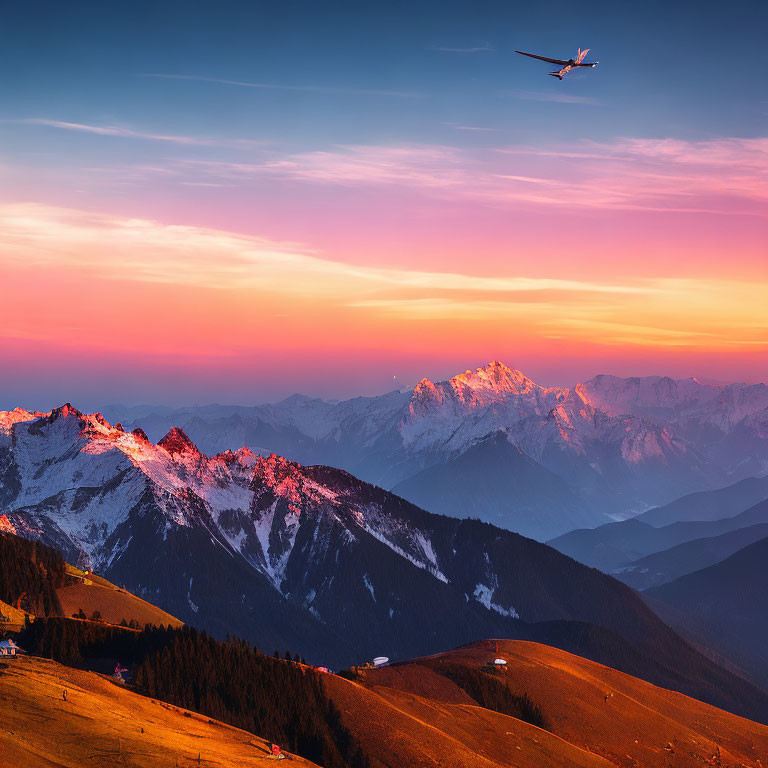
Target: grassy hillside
230, 681
101, 723
413, 714
549, 709
37, 576
90, 593
14, 614
399, 729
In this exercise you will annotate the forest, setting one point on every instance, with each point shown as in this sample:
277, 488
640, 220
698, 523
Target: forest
30, 572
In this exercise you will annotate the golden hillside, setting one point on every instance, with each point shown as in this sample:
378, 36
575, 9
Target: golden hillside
94, 593
102, 724
409, 715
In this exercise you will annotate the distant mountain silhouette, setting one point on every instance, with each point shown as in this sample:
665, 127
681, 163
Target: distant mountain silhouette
727, 605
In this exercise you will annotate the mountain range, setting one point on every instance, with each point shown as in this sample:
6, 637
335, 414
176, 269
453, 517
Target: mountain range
619, 545
493, 444
316, 560
703, 574
724, 605
662, 567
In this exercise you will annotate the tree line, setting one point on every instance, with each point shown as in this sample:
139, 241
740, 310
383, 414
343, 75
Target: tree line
491, 692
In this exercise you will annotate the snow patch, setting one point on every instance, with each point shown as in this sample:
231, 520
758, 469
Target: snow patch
484, 596
400, 551
369, 586
194, 607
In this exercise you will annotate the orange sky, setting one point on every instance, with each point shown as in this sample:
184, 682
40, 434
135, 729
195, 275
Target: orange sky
198, 298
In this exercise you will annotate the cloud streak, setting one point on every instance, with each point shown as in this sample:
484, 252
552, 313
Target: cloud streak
322, 89
556, 98
726, 176
114, 255
482, 48
464, 127
129, 133
723, 176
147, 251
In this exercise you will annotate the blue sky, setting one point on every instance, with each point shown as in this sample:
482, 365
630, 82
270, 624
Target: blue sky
693, 70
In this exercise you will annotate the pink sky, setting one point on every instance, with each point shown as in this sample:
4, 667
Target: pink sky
334, 271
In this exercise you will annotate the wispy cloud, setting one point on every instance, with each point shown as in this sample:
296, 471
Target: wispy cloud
464, 127
411, 165
725, 176
148, 251
326, 89
480, 48
671, 314
130, 133
532, 180
425, 165
556, 98
114, 253
726, 152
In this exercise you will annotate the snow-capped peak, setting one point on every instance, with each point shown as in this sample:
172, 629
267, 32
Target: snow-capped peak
177, 442
274, 468
282, 477
494, 377
243, 456
64, 412
487, 385
644, 394
479, 387
56, 453
6, 526
452, 414
17, 415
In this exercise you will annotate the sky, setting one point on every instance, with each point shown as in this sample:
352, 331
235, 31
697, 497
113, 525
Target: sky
235, 201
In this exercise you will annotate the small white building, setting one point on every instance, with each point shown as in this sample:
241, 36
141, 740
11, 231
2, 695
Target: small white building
9, 648
500, 662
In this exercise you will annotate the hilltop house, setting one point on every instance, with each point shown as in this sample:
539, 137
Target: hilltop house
9, 648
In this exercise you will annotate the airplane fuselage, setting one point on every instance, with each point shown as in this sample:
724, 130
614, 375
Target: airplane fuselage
570, 64
567, 65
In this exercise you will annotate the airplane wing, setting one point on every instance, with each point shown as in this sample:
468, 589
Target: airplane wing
544, 58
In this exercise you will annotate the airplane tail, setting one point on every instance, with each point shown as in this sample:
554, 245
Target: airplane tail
581, 55
555, 74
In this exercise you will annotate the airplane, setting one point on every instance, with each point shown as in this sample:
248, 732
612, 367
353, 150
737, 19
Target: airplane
567, 66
